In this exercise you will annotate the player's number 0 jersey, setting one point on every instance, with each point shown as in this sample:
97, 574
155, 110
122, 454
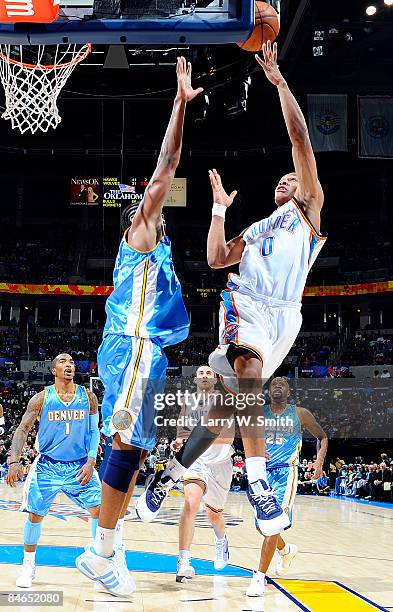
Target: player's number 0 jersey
278, 255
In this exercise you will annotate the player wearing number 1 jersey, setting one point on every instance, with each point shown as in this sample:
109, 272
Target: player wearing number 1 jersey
67, 443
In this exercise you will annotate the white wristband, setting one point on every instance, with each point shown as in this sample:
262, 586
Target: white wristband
219, 210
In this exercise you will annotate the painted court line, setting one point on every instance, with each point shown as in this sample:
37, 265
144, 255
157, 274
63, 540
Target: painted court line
323, 596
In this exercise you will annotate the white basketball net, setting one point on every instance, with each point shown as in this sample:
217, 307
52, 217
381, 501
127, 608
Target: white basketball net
31, 89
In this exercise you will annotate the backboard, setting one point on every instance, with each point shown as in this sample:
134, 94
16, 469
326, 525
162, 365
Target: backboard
141, 22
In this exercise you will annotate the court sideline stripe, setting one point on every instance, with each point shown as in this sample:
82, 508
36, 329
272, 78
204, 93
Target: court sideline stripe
288, 595
372, 603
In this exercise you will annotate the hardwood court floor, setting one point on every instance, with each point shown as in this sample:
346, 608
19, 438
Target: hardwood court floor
339, 542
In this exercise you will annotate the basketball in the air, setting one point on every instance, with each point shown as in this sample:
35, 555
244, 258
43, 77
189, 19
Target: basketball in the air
267, 27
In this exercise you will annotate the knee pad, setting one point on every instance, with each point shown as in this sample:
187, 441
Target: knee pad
32, 532
121, 466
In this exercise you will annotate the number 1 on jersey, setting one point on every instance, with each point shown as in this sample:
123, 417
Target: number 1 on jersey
67, 428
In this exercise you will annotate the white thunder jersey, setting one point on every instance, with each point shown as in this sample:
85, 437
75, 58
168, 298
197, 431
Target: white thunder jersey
218, 451
278, 255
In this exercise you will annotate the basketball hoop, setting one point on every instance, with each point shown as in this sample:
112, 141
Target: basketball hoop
32, 87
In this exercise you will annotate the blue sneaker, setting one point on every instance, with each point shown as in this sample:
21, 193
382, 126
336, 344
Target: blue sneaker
150, 502
270, 518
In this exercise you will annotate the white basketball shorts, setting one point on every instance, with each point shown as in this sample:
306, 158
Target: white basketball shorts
217, 478
266, 326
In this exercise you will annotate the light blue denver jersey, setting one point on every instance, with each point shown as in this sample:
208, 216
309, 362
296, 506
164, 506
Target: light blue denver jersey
63, 432
147, 301
283, 435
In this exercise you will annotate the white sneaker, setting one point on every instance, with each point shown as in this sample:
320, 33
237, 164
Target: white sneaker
184, 570
256, 587
106, 572
120, 561
222, 553
26, 576
284, 561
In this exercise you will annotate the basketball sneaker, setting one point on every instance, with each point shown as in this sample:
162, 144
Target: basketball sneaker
256, 588
26, 576
121, 562
106, 572
222, 553
269, 516
284, 561
150, 502
184, 570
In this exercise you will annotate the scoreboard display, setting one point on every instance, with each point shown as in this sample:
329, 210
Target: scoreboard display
111, 192
117, 194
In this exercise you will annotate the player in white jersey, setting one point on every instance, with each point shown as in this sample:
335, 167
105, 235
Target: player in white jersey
208, 478
284, 423
260, 314
260, 310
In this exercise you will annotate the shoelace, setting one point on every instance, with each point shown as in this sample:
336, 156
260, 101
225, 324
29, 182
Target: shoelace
267, 501
158, 493
221, 547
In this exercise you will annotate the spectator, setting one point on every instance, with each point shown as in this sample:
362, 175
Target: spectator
323, 485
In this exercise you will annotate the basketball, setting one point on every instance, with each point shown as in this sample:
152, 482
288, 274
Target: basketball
267, 27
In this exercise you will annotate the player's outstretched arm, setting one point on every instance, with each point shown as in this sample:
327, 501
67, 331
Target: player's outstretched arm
143, 232
309, 191
220, 253
309, 422
33, 410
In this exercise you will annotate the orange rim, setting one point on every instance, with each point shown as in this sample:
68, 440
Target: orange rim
75, 60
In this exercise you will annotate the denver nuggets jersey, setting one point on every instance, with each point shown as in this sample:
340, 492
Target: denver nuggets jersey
278, 255
283, 435
63, 432
147, 301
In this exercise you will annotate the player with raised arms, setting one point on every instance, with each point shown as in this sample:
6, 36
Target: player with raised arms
145, 313
260, 314
67, 442
284, 423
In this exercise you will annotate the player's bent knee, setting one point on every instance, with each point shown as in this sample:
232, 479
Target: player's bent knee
121, 466
35, 518
248, 368
32, 532
94, 511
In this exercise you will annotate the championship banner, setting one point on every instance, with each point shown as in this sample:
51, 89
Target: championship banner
327, 122
375, 127
106, 290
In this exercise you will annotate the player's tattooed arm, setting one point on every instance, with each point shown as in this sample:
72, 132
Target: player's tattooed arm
33, 410
309, 190
309, 422
93, 402
143, 232
220, 253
